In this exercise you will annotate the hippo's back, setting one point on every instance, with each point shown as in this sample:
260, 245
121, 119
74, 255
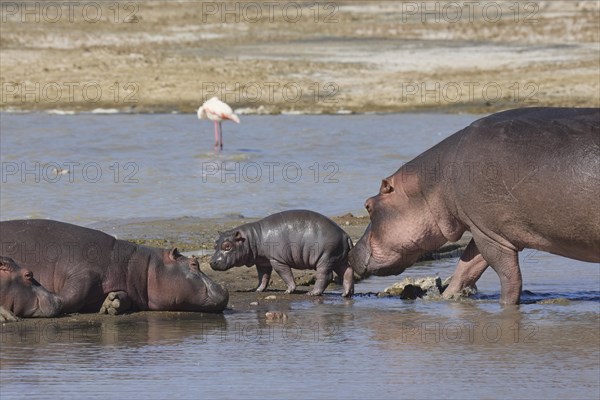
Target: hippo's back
45, 230
578, 119
303, 222
306, 228
54, 249
532, 176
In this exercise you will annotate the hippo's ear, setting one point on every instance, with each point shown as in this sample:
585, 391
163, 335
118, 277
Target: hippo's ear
239, 236
386, 186
174, 254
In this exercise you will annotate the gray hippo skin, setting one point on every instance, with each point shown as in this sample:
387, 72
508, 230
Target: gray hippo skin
22, 296
298, 239
90, 270
525, 178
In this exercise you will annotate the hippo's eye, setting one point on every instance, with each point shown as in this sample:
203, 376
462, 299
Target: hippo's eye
226, 246
28, 275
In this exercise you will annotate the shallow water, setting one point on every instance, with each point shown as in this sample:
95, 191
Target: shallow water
327, 348
367, 347
162, 166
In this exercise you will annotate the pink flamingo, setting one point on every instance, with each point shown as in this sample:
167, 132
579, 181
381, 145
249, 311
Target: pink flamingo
216, 110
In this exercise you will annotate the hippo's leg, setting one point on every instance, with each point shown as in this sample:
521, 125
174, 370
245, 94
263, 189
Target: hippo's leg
264, 276
7, 315
345, 272
285, 273
324, 275
505, 262
116, 303
468, 271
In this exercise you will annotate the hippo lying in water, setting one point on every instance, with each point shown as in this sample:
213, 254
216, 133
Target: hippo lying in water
83, 267
526, 178
22, 296
299, 239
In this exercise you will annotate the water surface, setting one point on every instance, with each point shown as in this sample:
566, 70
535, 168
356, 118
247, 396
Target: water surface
162, 166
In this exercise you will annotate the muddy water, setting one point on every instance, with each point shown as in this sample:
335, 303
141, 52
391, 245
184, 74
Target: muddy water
367, 347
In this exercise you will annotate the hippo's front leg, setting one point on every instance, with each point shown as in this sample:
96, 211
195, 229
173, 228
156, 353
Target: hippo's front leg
285, 272
348, 281
264, 276
468, 271
116, 303
345, 274
7, 315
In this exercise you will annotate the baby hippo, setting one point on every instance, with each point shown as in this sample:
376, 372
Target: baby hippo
21, 295
299, 239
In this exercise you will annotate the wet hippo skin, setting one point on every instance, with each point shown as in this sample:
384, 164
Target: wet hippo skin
524, 178
84, 266
300, 239
22, 296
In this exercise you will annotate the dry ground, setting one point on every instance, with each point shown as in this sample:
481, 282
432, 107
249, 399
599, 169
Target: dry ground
339, 56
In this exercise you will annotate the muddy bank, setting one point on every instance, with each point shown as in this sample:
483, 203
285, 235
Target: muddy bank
196, 236
330, 57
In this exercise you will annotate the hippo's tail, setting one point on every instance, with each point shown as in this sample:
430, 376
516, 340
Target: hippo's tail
350, 245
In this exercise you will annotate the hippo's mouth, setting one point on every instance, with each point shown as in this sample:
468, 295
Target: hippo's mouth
48, 306
217, 295
370, 260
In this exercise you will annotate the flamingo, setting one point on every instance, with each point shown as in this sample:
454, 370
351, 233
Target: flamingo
216, 110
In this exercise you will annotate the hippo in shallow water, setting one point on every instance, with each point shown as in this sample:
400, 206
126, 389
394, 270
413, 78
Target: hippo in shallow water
89, 269
525, 178
298, 239
21, 295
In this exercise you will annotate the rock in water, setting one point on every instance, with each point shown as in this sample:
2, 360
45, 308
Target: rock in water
465, 292
411, 288
276, 316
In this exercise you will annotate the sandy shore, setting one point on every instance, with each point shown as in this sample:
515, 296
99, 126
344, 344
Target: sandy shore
330, 57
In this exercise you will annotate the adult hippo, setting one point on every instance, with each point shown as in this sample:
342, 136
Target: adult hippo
21, 295
299, 239
85, 266
525, 178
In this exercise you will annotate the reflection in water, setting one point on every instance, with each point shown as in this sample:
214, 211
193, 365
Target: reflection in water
329, 347
128, 330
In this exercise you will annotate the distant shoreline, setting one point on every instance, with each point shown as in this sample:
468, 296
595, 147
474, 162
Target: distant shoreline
422, 110
357, 57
